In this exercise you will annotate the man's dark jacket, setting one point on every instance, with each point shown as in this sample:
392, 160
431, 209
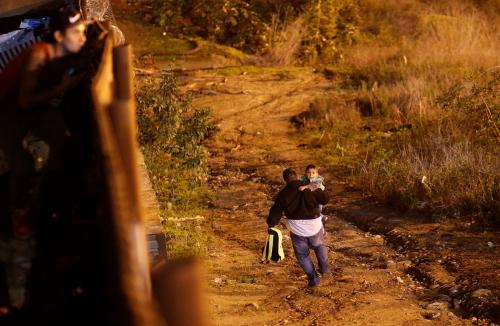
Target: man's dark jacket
296, 204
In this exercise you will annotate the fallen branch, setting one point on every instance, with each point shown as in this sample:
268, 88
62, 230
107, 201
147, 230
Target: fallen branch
181, 219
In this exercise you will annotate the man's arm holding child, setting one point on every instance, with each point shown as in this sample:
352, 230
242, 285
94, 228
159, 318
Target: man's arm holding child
321, 197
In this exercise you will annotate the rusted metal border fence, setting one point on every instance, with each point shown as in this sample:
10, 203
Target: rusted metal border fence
172, 294
128, 260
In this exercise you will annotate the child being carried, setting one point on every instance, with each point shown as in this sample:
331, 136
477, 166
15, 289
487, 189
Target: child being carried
313, 181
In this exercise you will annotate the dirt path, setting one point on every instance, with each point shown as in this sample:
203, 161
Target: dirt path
254, 144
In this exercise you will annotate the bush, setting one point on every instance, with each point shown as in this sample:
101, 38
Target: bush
230, 22
253, 26
329, 24
171, 133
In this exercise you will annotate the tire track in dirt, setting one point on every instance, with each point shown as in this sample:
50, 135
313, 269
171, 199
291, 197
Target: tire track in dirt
247, 157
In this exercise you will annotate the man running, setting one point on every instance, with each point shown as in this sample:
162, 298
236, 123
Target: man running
304, 223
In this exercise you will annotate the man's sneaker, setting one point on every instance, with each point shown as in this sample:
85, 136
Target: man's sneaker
312, 285
315, 282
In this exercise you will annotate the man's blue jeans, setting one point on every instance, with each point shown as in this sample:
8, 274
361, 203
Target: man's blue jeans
301, 246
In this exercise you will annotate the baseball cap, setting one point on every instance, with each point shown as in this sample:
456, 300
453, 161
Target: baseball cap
64, 19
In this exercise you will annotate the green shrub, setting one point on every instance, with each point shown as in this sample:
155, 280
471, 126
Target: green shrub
184, 238
169, 125
329, 25
171, 133
230, 22
246, 25
347, 23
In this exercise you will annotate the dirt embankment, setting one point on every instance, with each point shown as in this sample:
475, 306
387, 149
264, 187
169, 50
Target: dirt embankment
457, 260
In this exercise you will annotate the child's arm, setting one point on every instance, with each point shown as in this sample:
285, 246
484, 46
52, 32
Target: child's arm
312, 186
304, 180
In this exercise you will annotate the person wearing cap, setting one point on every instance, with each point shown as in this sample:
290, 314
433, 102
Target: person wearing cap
67, 36
32, 125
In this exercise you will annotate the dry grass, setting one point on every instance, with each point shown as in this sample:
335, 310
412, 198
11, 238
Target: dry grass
435, 172
285, 43
453, 42
369, 53
396, 76
338, 115
458, 37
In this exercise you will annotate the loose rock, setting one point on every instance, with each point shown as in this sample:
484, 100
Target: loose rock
437, 306
252, 306
431, 315
443, 298
345, 279
482, 294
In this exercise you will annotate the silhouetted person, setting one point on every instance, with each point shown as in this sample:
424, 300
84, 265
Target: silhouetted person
32, 132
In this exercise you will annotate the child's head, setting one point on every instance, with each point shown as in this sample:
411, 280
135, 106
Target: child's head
311, 171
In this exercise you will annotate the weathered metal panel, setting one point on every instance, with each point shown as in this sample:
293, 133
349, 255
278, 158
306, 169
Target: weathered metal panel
129, 262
